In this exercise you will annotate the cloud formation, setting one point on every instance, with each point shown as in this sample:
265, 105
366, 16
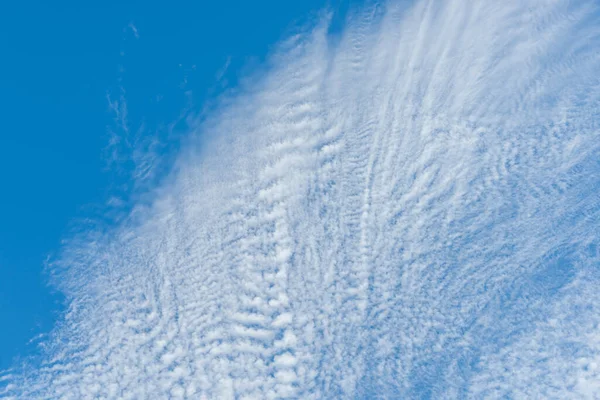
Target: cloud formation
410, 211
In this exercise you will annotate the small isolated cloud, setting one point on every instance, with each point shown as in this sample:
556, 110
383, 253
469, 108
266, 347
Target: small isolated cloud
134, 30
409, 212
223, 70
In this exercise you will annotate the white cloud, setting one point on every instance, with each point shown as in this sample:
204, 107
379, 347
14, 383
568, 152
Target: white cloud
134, 30
410, 212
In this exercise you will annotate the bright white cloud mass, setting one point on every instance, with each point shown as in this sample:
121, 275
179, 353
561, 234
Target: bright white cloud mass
407, 211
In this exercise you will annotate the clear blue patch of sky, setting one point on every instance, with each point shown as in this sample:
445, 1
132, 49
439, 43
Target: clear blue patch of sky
59, 60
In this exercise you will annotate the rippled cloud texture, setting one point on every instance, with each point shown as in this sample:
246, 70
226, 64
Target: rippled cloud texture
409, 211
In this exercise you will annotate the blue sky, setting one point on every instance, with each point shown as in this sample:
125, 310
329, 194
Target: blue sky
400, 201
60, 61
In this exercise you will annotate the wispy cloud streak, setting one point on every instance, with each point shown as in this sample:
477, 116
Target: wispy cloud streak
409, 212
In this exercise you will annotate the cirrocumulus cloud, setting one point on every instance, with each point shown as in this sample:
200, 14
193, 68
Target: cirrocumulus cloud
407, 210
